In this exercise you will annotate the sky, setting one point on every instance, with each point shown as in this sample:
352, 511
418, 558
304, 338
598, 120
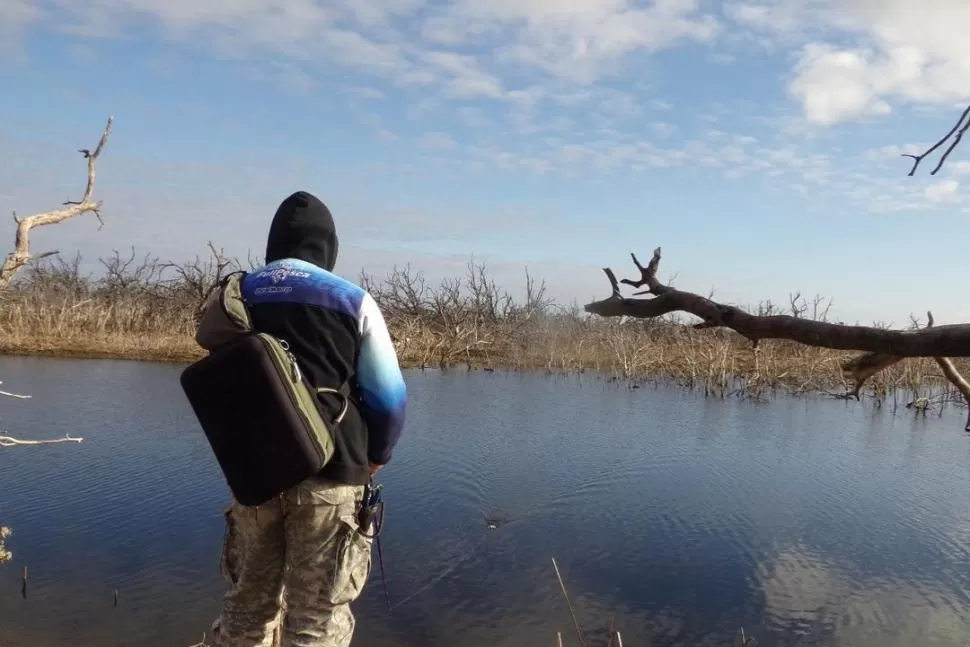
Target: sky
758, 142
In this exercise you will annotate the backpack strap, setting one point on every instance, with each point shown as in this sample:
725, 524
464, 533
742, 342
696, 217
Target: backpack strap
225, 314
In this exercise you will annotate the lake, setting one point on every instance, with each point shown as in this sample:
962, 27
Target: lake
809, 521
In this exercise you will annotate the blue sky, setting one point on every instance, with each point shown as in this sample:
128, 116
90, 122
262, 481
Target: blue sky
757, 142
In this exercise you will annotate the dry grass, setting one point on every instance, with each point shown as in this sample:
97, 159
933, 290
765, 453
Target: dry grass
5, 555
145, 309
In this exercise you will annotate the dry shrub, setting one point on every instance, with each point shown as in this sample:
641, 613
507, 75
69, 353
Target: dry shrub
142, 308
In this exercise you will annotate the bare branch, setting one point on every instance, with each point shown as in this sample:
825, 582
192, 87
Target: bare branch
938, 341
21, 255
865, 366
861, 368
952, 374
10, 441
960, 128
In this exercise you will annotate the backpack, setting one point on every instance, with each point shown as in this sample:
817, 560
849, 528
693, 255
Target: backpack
258, 411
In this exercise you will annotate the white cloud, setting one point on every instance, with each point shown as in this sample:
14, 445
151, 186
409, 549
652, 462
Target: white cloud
366, 92
836, 85
893, 152
800, 584
943, 191
662, 128
407, 42
465, 76
473, 117
438, 141
958, 168
860, 57
16, 13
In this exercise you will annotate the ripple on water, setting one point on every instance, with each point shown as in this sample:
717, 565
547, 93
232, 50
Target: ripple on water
805, 521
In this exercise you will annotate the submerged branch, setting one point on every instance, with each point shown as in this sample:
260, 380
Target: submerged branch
10, 441
14, 395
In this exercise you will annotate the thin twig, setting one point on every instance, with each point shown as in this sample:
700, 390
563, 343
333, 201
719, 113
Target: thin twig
917, 159
572, 613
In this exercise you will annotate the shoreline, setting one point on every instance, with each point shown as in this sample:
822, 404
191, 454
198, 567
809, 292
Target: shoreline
792, 372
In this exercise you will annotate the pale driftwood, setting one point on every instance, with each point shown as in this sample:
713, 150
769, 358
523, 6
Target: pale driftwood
19, 396
5, 555
21, 255
10, 441
884, 347
201, 643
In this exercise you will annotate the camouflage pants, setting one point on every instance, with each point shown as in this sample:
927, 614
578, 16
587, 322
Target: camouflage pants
294, 565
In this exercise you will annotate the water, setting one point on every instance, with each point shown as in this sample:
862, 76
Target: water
810, 522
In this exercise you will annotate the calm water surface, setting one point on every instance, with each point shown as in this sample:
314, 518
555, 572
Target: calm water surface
810, 522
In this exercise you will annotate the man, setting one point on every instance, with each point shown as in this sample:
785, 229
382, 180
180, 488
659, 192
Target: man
296, 563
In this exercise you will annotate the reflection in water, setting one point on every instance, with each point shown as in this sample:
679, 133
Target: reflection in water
809, 522
806, 593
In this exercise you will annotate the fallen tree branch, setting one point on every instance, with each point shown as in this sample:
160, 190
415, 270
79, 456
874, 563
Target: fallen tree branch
865, 366
960, 382
10, 441
959, 128
953, 375
21, 254
939, 341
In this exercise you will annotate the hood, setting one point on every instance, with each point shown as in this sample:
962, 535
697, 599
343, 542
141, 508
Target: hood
303, 228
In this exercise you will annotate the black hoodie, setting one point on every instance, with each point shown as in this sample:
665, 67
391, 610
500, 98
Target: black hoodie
303, 228
325, 340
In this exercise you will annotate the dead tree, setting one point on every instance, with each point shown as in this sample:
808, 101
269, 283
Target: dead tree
884, 347
22, 256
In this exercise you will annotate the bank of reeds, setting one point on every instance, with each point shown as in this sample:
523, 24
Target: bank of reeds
142, 308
